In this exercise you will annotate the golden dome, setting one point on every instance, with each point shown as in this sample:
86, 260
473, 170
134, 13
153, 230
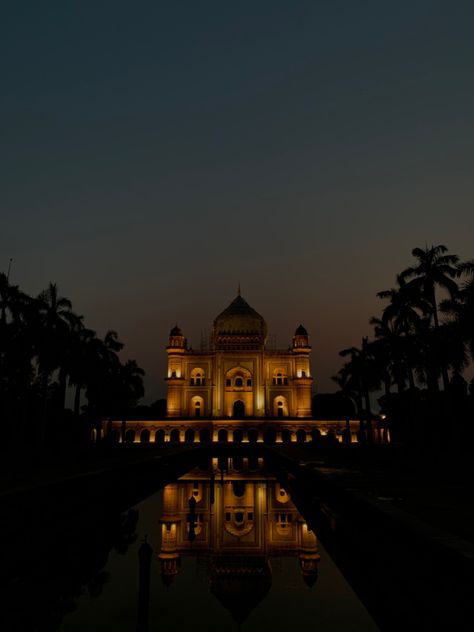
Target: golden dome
239, 321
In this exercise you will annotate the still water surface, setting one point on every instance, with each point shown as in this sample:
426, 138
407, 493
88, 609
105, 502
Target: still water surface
238, 554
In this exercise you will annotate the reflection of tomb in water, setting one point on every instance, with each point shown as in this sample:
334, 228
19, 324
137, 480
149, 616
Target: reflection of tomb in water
240, 519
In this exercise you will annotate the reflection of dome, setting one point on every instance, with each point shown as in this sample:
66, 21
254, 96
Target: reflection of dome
239, 321
310, 579
167, 579
240, 583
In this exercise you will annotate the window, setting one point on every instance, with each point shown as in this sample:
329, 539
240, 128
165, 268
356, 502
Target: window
284, 520
197, 377
280, 377
238, 377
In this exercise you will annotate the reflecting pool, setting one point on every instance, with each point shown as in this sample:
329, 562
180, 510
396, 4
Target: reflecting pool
223, 547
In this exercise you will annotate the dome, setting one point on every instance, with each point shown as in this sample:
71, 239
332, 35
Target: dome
301, 331
240, 319
176, 331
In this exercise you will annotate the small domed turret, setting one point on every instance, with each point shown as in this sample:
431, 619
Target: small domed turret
177, 340
300, 339
301, 331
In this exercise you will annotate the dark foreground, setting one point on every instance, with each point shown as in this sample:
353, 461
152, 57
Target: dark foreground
396, 540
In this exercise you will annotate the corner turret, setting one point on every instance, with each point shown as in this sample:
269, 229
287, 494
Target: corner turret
176, 339
302, 380
176, 349
301, 339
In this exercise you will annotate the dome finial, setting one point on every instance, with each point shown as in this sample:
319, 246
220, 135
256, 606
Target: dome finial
238, 290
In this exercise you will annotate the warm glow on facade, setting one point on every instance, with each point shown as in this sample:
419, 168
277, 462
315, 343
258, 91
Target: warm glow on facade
236, 389
238, 377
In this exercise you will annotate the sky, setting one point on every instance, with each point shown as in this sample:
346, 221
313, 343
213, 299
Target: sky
154, 155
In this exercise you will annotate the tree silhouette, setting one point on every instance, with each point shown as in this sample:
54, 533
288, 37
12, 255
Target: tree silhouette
435, 269
44, 346
413, 345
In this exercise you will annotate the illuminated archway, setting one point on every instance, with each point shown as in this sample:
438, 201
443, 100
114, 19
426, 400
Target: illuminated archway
238, 435
115, 436
204, 435
270, 435
196, 406
130, 436
280, 406
222, 435
189, 436
174, 435
300, 436
238, 409
252, 435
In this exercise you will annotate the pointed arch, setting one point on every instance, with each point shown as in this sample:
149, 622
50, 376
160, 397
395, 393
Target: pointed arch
238, 409
280, 406
196, 406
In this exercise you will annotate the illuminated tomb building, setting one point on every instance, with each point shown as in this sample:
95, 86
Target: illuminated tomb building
239, 377
237, 389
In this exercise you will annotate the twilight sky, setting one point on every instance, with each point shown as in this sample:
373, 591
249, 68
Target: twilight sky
154, 154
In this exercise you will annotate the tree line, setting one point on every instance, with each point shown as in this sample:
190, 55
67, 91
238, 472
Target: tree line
45, 347
422, 343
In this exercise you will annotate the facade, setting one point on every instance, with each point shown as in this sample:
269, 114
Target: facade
237, 389
238, 377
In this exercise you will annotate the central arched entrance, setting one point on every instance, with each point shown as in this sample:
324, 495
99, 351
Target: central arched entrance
238, 410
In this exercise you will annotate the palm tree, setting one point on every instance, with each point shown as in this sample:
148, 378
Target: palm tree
130, 387
402, 320
54, 321
406, 307
103, 377
435, 269
461, 307
361, 373
16, 353
466, 316
388, 353
84, 346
